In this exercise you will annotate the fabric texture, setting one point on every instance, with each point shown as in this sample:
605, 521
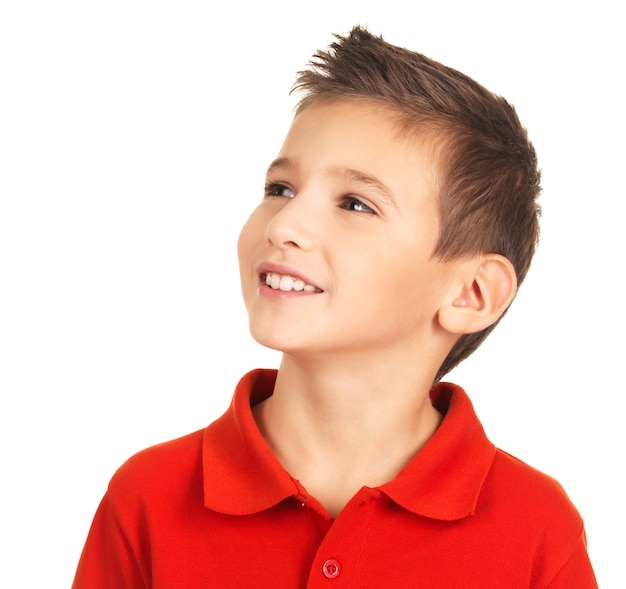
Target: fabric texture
216, 509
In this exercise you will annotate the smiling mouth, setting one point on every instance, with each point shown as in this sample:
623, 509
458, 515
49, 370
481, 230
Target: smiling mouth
286, 283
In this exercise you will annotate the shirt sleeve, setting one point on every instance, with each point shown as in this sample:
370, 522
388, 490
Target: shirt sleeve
108, 559
577, 572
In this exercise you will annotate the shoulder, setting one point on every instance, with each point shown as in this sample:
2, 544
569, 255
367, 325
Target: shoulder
159, 469
543, 517
533, 504
517, 481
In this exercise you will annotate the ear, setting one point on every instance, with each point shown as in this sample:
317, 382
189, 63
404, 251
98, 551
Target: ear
486, 288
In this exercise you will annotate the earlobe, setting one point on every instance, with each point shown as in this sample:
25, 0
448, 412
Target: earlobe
487, 287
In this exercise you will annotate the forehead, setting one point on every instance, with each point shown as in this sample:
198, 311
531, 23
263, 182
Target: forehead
365, 137
359, 115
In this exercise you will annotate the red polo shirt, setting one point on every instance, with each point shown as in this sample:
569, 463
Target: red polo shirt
216, 509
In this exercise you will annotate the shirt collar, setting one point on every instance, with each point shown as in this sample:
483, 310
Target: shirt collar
443, 481
241, 474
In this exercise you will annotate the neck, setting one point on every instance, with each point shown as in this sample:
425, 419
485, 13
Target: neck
337, 428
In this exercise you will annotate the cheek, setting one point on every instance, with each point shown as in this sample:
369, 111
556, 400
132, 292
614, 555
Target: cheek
245, 250
251, 233
242, 242
407, 276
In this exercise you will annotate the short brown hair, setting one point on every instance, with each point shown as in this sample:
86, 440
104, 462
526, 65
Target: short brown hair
490, 181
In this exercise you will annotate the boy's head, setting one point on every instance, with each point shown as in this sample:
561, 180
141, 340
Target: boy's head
489, 181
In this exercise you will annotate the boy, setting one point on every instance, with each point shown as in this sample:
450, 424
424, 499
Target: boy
398, 220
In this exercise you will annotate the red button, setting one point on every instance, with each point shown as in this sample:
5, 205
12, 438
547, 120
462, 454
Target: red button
331, 568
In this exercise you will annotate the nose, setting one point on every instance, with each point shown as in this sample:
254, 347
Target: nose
295, 225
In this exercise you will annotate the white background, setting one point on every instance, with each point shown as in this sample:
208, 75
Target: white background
134, 136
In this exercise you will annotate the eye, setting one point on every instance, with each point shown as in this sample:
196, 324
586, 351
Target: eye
351, 203
278, 189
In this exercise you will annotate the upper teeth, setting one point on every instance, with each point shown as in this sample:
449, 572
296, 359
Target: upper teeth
286, 282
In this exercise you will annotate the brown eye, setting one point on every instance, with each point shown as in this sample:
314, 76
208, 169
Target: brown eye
351, 203
277, 189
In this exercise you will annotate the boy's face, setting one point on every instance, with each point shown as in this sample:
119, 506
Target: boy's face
344, 235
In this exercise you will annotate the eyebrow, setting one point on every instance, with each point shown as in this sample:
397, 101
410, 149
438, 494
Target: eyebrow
350, 174
282, 163
370, 181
